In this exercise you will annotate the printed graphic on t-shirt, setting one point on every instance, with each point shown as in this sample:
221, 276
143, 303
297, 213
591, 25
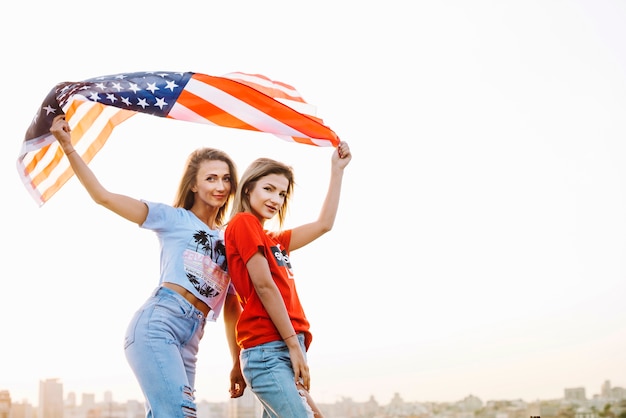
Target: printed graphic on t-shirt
205, 264
282, 259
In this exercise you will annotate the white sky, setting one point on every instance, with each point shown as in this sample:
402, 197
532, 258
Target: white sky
480, 242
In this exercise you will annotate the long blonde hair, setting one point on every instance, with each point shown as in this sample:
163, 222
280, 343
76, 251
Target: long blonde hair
185, 197
259, 168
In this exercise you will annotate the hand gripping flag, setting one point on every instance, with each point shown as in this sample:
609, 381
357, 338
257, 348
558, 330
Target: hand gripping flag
94, 107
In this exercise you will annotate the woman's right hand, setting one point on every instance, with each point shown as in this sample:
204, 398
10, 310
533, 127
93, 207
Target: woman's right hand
298, 363
61, 131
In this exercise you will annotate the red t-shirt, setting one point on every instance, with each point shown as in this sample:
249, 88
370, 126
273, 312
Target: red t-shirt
244, 237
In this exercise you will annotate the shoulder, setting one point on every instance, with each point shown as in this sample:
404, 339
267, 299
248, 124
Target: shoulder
160, 213
243, 219
283, 236
244, 227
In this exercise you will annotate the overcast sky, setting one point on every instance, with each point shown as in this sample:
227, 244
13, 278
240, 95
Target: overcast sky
481, 238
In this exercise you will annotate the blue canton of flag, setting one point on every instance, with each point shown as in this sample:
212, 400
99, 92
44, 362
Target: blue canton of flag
154, 93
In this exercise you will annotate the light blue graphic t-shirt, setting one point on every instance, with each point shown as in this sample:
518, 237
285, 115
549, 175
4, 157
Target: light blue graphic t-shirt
192, 255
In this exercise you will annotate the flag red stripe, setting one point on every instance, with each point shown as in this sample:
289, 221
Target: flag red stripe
211, 112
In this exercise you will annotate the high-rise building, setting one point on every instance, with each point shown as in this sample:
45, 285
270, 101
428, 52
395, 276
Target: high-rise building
50, 399
5, 404
70, 401
88, 400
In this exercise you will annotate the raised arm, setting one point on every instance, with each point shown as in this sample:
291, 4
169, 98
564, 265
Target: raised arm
127, 207
304, 234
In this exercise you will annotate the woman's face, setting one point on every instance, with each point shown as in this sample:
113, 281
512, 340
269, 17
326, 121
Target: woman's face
268, 196
212, 183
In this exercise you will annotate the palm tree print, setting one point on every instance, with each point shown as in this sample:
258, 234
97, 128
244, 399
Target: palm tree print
193, 279
220, 253
205, 241
212, 247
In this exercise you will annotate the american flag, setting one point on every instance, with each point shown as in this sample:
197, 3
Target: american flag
94, 107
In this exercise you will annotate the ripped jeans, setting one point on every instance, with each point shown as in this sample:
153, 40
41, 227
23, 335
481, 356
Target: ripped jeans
161, 346
268, 373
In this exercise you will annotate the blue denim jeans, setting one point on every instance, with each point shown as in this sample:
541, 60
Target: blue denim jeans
268, 373
161, 346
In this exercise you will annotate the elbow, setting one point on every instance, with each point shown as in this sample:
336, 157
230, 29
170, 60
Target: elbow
326, 226
101, 199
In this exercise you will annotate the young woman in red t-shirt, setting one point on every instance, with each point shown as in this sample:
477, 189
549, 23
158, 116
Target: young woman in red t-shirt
273, 331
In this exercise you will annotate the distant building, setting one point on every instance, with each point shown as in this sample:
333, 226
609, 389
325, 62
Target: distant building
70, 401
584, 412
470, 403
5, 404
575, 394
50, 399
22, 410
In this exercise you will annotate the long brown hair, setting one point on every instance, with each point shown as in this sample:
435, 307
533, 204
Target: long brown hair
185, 197
259, 168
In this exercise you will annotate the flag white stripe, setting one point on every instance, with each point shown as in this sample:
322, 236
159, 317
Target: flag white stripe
263, 82
240, 109
181, 112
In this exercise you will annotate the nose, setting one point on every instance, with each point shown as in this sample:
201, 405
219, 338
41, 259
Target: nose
221, 185
276, 199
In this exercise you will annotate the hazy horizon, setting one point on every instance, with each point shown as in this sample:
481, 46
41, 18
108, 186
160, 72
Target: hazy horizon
100, 397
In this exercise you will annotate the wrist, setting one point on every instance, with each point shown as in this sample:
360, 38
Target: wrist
67, 153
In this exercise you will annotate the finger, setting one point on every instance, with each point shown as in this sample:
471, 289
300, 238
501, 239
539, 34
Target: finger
305, 379
58, 117
304, 384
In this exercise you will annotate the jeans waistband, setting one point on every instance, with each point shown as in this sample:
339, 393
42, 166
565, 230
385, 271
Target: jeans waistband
193, 310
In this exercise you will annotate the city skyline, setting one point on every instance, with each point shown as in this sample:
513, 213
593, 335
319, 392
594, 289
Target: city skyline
611, 402
110, 396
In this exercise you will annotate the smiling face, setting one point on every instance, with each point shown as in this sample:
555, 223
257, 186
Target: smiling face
213, 183
268, 196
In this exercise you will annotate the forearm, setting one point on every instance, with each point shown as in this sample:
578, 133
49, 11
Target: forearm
328, 212
275, 307
132, 209
84, 174
232, 310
